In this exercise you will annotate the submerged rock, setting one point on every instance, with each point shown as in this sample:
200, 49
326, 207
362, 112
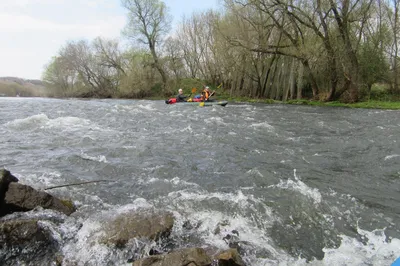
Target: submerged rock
25, 198
150, 225
184, 257
25, 241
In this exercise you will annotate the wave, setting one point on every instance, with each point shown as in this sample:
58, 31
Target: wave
376, 250
391, 156
42, 121
263, 125
299, 186
215, 120
98, 158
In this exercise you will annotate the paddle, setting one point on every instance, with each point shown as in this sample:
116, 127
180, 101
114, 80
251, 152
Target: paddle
193, 91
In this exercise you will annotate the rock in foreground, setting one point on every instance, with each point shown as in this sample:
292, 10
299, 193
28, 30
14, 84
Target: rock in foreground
183, 257
25, 198
150, 225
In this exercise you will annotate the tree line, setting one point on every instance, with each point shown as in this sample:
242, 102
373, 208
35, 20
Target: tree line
277, 49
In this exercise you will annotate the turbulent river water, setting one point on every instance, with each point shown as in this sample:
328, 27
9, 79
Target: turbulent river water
298, 185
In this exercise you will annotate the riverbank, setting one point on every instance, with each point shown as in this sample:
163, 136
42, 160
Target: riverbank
371, 104
367, 104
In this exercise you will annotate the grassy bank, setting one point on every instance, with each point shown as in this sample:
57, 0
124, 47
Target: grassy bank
373, 104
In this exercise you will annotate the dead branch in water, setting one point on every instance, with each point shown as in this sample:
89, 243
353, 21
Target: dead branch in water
80, 183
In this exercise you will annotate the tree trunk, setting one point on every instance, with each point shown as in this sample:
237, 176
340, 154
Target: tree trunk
292, 86
396, 88
300, 82
158, 66
314, 85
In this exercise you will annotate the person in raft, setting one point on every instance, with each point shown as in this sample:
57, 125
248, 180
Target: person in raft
206, 94
180, 97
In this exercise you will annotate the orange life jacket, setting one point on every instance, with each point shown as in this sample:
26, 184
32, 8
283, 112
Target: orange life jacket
206, 95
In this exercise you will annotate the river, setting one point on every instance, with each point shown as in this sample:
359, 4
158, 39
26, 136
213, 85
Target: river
298, 185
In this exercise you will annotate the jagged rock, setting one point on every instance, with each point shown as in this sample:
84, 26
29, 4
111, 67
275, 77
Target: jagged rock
184, 257
18, 232
150, 225
229, 257
25, 198
24, 241
5, 179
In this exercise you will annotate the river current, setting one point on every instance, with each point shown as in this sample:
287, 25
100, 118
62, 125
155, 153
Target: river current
298, 185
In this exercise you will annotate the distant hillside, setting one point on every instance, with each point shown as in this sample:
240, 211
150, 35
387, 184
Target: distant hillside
13, 86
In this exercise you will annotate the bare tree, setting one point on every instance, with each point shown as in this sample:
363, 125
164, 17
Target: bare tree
148, 21
174, 57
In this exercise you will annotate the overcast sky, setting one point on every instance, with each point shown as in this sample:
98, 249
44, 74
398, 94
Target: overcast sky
32, 31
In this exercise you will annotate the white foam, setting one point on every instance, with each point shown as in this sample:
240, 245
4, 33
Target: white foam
391, 156
376, 251
263, 125
65, 123
209, 221
237, 199
31, 121
137, 204
305, 159
176, 181
187, 129
46, 179
147, 107
259, 151
255, 171
215, 120
98, 158
299, 186
86, 247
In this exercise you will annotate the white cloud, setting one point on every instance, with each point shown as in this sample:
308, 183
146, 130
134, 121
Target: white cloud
108, 27
25, 3
32, 31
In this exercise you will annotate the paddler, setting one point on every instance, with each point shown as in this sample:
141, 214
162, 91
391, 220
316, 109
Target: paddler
206, 94
180, 97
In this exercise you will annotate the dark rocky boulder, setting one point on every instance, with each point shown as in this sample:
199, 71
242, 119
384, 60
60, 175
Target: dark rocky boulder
25, 241
149, 225
20, 197
18, 232
5, 179
229, 257
192, 257
183, 257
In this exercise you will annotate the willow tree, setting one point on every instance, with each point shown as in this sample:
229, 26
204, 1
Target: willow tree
148, 22
59, 76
